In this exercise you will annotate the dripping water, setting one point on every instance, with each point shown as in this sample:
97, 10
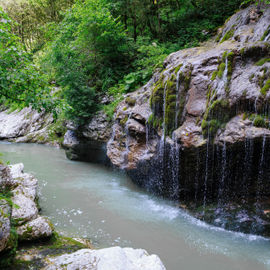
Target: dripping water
223, 176
175, 168
197, 177
178, 95
260, 175
223, 82
126, 152
267, 37
163, 137
206, 170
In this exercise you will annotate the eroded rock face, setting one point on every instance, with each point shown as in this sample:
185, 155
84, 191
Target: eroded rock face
199, 130
4, 224
114, 258
88, 142
23, 209
25, 126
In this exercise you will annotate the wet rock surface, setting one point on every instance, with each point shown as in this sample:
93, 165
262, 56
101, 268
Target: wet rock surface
19, 204
198, 132
111, 258
88, 142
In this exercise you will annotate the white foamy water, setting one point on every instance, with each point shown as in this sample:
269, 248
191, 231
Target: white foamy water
88, 200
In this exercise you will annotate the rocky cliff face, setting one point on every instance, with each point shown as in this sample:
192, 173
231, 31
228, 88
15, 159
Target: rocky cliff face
198, 132
88, 142
19, 213
29, 126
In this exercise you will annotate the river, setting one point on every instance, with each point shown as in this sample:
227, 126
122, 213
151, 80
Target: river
92, 201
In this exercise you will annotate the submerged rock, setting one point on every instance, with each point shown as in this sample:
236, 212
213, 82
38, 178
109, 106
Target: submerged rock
114, 258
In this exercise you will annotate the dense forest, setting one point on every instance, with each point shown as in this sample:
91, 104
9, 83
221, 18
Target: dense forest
65, 55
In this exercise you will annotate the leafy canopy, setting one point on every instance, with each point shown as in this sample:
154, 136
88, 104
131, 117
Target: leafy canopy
20, 80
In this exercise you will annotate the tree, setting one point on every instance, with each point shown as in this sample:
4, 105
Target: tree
20, 80
90, 53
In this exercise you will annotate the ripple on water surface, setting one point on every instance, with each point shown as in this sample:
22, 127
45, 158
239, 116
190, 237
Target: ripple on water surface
89, 200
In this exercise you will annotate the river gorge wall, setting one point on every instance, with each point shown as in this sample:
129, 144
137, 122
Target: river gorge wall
198, 132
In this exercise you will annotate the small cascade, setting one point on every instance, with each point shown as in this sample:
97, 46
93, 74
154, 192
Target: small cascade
197, 177
175, 169
126, 152
267, 37
224, 80
147, 138
113, 134
223, 176
163, 137
248, 160
178, 95
255, 104
206, 170
260, 174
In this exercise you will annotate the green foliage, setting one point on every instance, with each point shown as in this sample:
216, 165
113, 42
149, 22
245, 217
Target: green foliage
262, 61
228, 35
221, 69
20, 80
259, 121
88, 54
266, 87
35, 19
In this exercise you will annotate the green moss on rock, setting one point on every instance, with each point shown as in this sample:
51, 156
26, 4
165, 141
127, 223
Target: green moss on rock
265, 88
229, 34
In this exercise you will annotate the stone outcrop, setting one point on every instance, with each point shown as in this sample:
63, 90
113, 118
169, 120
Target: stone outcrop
114, 258
26, 125
199, 130
19, 203
5, 210
88, 142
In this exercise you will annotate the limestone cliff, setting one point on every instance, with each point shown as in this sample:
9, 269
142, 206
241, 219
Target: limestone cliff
199, 132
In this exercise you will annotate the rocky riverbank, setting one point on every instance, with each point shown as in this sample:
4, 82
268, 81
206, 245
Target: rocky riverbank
19, 215
28, 240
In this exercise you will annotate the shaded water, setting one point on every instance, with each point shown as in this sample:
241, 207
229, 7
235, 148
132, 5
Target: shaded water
88, 200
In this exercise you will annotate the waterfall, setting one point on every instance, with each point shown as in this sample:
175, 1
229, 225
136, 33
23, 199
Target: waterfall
197, 176
163, 137
223, 176
178, 95
260, 175
126, 152
267, 37
224, 80
206, 170
175, 169
113, 133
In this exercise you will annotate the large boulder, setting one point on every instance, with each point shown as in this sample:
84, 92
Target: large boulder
26, 125
4, 223
35, 229
114, 258
88, 142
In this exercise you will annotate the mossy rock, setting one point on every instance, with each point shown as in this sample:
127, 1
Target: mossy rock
265, 88
130, 101
229, 34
